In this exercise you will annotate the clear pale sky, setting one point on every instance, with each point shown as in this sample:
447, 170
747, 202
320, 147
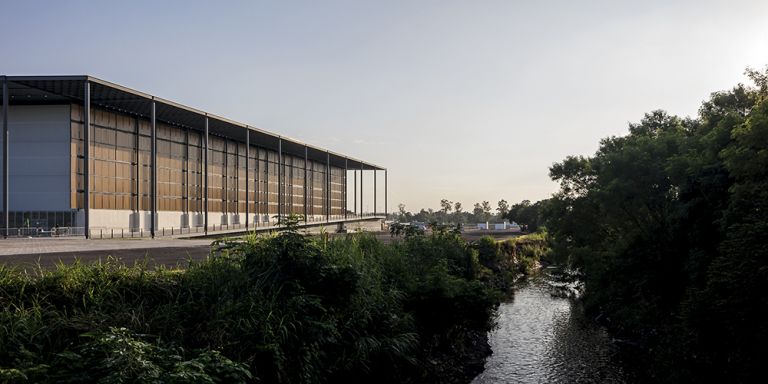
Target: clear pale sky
465, 100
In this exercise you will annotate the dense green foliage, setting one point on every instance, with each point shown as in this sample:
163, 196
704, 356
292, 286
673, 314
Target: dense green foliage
284, 308
505, 261
670, 226
529, 216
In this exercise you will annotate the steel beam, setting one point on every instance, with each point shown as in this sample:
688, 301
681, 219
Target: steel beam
6, 168
86, 158
153, 186
205, 177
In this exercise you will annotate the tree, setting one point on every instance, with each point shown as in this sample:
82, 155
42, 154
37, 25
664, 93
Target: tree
458, 215
403, 215
528, 215
477, 212
503, 208
669, 225
486, 210
446, 205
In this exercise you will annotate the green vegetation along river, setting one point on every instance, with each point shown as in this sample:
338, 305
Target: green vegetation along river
543, 338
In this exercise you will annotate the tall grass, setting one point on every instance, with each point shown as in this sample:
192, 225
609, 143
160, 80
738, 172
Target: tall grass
283, 308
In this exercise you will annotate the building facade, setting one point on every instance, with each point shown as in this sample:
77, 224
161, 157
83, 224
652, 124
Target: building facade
146, 164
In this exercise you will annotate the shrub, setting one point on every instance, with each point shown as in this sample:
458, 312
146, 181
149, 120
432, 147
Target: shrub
282, 308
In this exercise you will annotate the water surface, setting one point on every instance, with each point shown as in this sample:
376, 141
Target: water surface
541, 338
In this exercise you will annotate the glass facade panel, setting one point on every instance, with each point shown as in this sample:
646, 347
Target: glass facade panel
121, 170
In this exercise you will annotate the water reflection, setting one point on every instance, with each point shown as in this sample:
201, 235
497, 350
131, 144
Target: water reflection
543, 339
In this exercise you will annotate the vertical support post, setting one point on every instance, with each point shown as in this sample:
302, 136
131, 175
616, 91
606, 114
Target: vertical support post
6, 168
374, 191
385, 194
354, 199
266, 186
225, 182
137, 154
257, 193
306, 189
327, 186
153, 197
362, 213
346, 191
186, 175
247, 175
86, 159
280, 189
205, 178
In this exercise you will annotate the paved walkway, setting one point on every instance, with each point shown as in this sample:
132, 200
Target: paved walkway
49, 251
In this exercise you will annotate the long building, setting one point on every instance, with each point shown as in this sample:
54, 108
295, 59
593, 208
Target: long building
147, 164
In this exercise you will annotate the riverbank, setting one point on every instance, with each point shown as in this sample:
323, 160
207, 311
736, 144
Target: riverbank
284, 308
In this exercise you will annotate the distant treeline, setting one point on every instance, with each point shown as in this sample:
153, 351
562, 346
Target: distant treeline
670, 226
524, 213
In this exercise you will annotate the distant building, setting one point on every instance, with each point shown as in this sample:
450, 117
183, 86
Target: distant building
84, 152
504, 226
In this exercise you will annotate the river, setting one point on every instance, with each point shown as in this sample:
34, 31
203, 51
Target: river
541, 338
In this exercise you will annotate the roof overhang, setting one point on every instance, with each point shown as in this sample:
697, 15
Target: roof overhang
35, 90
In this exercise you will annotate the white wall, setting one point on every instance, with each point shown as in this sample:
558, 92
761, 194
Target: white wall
126, 219
38, 150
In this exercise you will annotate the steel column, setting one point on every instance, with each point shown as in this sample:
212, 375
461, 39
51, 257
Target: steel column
374, 192
385, 194
205, 178
186, 176
153, 197
354, 194
225, 172
362, 213
257, 193
280, 189
306, 189
6, 168
346, 191
327, 186
137, 186
86, 158
247, 183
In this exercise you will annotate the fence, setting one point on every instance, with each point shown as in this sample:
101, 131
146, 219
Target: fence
127, 233
44, 232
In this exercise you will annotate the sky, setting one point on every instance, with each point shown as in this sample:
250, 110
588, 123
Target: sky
462, 100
